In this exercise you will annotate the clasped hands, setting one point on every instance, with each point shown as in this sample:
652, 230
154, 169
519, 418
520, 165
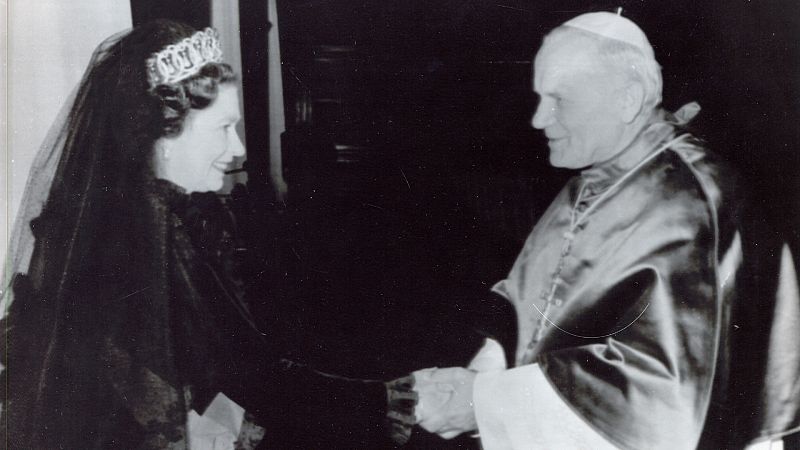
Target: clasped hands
445, 400
445, 395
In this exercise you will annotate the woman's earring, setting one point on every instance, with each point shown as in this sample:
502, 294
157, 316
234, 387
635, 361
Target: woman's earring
165, 152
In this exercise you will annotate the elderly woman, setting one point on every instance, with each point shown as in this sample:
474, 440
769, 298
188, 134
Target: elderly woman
127, 323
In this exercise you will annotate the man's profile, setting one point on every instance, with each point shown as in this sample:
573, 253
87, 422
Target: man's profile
623, 289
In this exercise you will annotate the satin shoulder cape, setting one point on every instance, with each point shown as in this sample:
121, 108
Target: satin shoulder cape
634, 323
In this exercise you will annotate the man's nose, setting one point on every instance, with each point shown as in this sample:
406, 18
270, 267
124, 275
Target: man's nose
543, 115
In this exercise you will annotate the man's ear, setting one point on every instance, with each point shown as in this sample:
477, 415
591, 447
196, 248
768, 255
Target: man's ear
631, 101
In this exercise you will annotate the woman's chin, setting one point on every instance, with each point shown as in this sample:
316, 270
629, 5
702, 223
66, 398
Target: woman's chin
214, 185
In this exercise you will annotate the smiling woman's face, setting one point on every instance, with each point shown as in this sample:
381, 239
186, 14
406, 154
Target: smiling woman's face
196, 159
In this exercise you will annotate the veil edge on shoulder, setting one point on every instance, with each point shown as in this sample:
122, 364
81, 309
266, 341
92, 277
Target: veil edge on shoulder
40, 179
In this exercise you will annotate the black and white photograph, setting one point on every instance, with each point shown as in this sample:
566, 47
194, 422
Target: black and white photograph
384, 224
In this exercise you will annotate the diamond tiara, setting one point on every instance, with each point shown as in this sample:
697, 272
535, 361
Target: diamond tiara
180, 61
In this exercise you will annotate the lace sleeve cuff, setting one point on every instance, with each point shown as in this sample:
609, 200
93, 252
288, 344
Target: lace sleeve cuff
401, 400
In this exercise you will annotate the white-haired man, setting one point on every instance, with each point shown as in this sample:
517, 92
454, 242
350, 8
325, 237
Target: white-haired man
623, 287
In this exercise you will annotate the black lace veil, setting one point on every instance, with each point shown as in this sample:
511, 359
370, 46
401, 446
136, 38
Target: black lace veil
40, 179
92, 355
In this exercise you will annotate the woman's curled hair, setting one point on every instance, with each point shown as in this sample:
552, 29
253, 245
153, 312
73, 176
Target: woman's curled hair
116, 119
140, 115
196, 92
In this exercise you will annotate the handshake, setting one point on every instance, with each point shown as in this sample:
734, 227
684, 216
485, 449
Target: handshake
445, 405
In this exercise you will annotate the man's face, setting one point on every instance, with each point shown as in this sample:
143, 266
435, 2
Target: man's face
579, 108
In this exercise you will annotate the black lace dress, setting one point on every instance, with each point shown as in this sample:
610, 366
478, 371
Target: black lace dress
145, 322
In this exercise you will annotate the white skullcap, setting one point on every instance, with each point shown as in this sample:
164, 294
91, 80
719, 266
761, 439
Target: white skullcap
613, 26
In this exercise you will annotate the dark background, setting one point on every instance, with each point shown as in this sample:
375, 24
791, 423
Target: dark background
428, 107
414, 173
447, 82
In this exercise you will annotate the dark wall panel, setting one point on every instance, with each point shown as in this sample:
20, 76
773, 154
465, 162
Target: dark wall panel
196, 13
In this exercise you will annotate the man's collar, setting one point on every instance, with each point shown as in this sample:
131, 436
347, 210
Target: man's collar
599, 177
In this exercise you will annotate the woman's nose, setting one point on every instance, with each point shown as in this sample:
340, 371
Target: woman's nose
236, 146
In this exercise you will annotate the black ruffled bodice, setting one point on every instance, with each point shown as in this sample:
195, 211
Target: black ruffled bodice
148, 323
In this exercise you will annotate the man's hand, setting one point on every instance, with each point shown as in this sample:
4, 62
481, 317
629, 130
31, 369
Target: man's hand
445, 401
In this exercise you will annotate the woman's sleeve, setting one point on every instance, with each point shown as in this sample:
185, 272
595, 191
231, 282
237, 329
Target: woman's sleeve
300, 406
